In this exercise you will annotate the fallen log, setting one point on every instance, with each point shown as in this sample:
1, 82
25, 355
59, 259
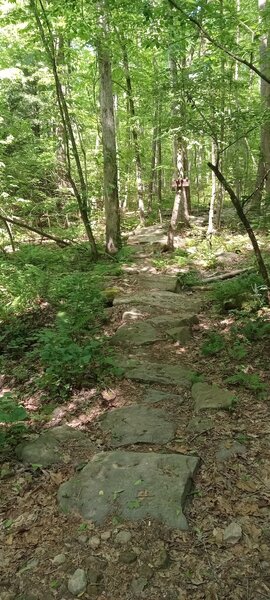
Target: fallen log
227, 275
40, 232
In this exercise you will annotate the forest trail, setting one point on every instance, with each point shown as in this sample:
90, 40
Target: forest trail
177, 505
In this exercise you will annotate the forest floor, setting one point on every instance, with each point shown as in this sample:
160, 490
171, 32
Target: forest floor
41, 547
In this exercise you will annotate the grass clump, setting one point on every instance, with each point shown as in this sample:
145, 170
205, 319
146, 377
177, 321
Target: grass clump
245, 292
213, 344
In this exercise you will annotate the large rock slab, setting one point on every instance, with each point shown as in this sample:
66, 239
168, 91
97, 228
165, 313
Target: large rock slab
148, 235
133, 486
138, 424
51, 447
159, 373
150, 281
182, 335
211, 397
152, 396
167, 322
136, 334
162, 300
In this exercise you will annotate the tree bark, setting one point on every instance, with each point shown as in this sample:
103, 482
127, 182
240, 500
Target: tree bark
153, 171
264, 158
134, 130
180, 161
80, 193
110, 171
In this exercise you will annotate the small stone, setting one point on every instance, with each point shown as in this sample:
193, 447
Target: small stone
94, 542
77, 582
233, 533
82, 538
211, 397
198, 425
59, 559
146, 572
138, 585
162, 559
105, 536
123, 537
128, 557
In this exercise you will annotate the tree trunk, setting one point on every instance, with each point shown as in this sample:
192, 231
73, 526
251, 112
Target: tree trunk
153, 171
40, 232
159, 161
213, 195
180, 162
80, 192
138, 161
264, 159
112, 213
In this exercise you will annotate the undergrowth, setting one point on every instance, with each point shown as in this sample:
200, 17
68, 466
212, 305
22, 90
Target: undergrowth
51, 316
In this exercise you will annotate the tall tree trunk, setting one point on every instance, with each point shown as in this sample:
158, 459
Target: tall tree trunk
264, 158
213, 194
80, 192
180, 161
159, 160
112, 213
138, 161
220, 191
153, 171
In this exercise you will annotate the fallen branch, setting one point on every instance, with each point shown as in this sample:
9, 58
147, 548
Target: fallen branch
227, 275
243, 218
40, 232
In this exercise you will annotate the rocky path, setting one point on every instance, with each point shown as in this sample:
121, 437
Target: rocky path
169, 435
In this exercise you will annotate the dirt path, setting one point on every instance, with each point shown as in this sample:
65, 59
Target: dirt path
128, 538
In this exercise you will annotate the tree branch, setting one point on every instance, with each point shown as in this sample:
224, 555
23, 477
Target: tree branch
197, 23
18, 223
243, 218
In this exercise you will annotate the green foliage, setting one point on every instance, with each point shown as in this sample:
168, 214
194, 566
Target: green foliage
250, 381
10, 410
54, 327
188, 279
256, 330
65, 362
214, 344
237, 292
237, 351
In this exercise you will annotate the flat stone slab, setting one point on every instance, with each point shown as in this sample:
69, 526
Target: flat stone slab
182, 334
211, 397
133, 486
165, 283
167, 322
148, 235
199, 425
152, 396
138, 424
162, 300
159, 373
51, 447
136, 334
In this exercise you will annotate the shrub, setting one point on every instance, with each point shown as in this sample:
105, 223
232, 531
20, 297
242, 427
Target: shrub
214, 344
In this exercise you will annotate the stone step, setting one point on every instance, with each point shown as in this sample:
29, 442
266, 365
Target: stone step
138, 424
162, 373
133, 486
162, 300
